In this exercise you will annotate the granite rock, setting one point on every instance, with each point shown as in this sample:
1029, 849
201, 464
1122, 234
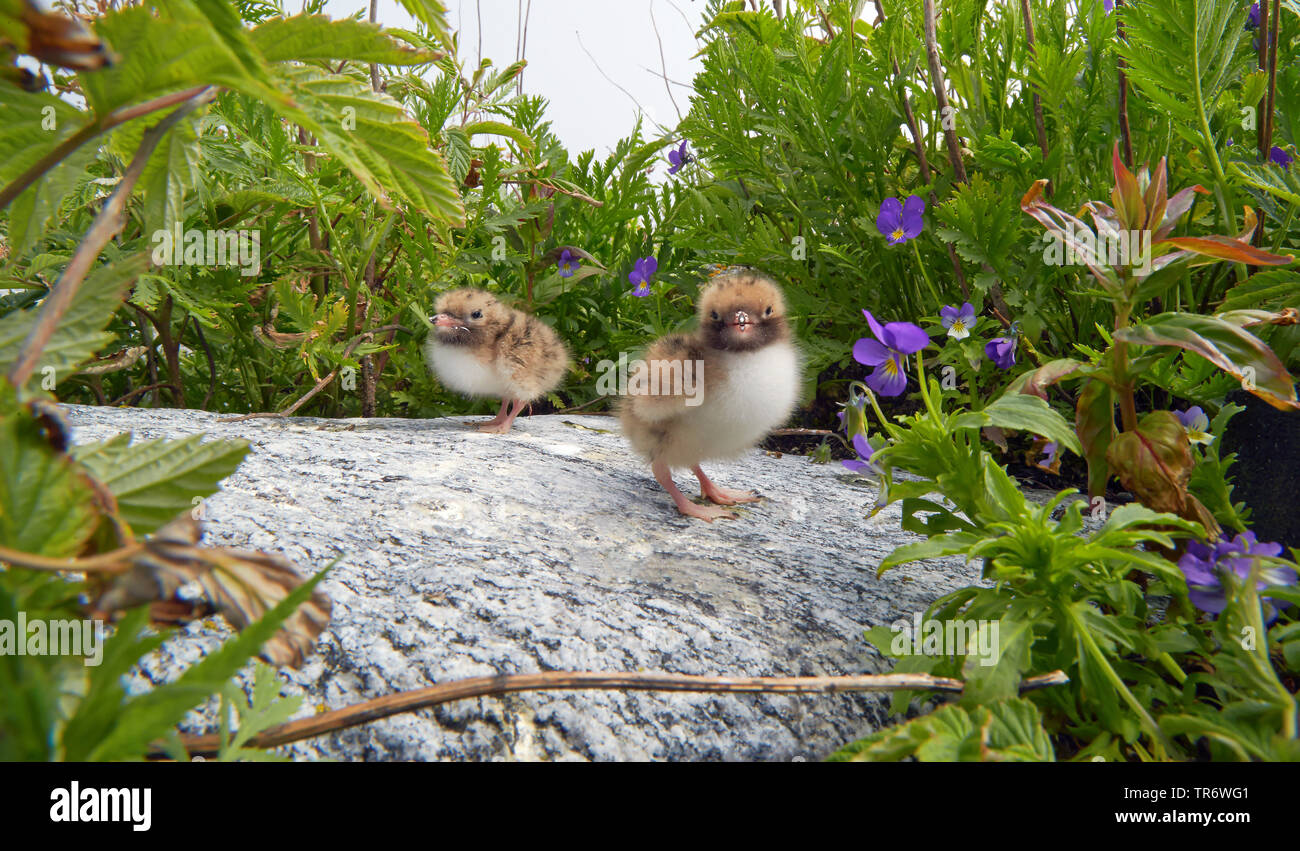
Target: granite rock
552, 548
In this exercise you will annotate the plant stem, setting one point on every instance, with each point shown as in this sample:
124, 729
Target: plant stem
1158, 738
928, 283
1249, 596
1123, 386
1172, 667
925, 392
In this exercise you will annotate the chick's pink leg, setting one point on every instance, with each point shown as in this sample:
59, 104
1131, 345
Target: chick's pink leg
722, 496
705, 512
500, 417
504, 426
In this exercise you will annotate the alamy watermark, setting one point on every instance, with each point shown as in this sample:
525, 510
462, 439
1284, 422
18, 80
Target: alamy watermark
1113, 248
53, 637
178, 247
651, 378
978, 638
94, 804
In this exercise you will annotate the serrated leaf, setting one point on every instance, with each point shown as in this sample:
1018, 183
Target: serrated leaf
31, 212
305, 38
78, 335
156, 480
46, 508
35, 124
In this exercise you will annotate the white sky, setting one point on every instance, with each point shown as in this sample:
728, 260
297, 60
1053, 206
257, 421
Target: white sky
586, 110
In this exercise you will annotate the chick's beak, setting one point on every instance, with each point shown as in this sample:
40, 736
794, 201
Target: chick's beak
446, 320
741, 321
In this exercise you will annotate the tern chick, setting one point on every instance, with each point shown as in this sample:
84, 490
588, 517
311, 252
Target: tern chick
481, 347
747, 374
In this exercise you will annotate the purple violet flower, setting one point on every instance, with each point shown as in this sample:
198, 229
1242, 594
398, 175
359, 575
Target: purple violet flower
1109, 5
640, 275
1050, 451
898, 221
958, 322
679, 158
1277, 156
887, 353
863, 461
1197, 425
1252, 19
1204, 567
568, 263
1002, 351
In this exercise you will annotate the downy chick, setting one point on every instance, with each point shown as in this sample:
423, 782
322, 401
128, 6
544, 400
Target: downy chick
746, 371
481, 347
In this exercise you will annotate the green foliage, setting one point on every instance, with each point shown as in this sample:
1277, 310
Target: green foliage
1005, 731
1147, 678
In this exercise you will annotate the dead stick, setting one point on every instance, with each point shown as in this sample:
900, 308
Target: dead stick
1040, 127
1124, 131
941, 93
408, 701
139, 390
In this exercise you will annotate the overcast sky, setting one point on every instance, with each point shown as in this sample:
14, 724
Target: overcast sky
586, 109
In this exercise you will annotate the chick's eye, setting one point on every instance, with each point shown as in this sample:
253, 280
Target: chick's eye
714, 315
478, 314
768, 312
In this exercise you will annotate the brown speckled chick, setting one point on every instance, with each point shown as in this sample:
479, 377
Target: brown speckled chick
481, 347
747, 383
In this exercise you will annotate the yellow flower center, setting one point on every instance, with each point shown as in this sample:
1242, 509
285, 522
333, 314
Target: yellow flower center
898, 234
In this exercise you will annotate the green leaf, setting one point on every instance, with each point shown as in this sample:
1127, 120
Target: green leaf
1154, 461
266, 709
1272, 290
32, 211
96, 712
35, 124
156, 480
935, 547
1023, 412
1182, 54
304, 38
1094, 422
1281, 183
433, 14
159, 55
995, 673
78, 335
171, 172
1007, 730
1228, 346
46, 508
500, 128
372, 135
